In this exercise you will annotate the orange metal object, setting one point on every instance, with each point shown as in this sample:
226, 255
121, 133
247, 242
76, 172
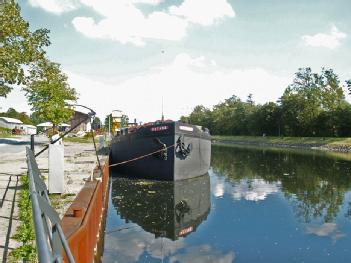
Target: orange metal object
82, 221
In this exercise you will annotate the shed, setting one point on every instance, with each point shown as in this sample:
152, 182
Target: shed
10, 123
78, 117
45, 125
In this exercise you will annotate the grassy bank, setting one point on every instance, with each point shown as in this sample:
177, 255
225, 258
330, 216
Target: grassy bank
25, 232
303, 141
5, 133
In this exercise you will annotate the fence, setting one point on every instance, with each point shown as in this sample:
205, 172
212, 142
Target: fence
50, 239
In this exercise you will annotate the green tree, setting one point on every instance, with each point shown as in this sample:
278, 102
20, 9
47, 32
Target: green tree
266, 120
302, 101
348, 85
96, 124
125, 120
12, 113
249, 99
108, 123
19, 47
184, 119
47, 92
36, 119
200, 116
332, 93
313, 105
309, 96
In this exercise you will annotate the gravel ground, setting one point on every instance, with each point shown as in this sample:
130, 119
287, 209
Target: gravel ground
80, 160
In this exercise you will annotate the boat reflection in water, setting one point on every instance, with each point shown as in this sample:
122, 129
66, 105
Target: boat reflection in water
166, 209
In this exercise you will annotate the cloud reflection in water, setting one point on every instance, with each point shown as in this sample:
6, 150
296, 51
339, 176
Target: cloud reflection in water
247, 189
129, 245
325, 230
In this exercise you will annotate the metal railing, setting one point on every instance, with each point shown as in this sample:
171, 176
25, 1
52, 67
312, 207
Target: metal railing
50, 239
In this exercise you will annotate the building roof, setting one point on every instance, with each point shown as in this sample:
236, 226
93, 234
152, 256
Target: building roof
64, 125
11, 120
49, 124
45, 124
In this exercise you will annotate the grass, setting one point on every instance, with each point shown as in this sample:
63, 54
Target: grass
286, 140
25, 232
5, 133
78, 139
58, 200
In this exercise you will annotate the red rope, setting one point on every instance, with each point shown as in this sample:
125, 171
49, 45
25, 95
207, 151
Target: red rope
142, 156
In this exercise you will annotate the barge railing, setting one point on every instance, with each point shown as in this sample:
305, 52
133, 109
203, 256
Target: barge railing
50, 239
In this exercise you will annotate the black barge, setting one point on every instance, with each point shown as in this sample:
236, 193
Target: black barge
165, 209
166, 150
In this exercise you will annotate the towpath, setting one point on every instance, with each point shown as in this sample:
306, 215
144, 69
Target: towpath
80, 160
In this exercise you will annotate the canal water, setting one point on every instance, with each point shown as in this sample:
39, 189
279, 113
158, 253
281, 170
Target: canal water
255, 205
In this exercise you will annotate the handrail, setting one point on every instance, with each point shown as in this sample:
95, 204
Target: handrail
49, 236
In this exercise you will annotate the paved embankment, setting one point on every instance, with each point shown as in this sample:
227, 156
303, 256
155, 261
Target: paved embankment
326, 144
80, 160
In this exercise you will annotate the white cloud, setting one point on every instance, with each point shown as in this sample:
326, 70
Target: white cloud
147, 2
325, 230
331, 40
203, 12
55, 6
183, 84
129, 245
123, 21
203, 254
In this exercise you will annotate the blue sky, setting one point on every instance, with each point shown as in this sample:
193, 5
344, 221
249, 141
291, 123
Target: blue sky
129, 54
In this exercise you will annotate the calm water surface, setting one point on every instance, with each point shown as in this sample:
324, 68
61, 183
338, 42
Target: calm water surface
255, 205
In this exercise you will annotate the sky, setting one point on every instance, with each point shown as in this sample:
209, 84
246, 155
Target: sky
132, 55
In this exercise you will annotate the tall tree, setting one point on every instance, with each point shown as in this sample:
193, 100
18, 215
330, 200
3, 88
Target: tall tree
47, 92
19, 47
332, 93
310, 95
266, 120
348, 85
96, 124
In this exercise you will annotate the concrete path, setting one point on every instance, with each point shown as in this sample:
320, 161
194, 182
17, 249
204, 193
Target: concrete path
80, 160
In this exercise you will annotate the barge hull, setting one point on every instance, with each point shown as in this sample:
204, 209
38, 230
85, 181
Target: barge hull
187, 153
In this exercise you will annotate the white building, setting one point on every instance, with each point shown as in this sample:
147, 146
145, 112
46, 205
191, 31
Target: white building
29, 129
10, 123
45, 125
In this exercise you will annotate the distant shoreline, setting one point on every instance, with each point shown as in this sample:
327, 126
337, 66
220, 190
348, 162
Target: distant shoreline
313, 143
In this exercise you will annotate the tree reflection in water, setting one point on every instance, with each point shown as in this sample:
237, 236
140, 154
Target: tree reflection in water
314, 182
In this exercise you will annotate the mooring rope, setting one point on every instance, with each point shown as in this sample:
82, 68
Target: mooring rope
142, 156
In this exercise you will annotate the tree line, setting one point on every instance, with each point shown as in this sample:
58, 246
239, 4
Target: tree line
312, 105
22, 116
23, 62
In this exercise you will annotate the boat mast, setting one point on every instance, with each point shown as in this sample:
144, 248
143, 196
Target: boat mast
163, 117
